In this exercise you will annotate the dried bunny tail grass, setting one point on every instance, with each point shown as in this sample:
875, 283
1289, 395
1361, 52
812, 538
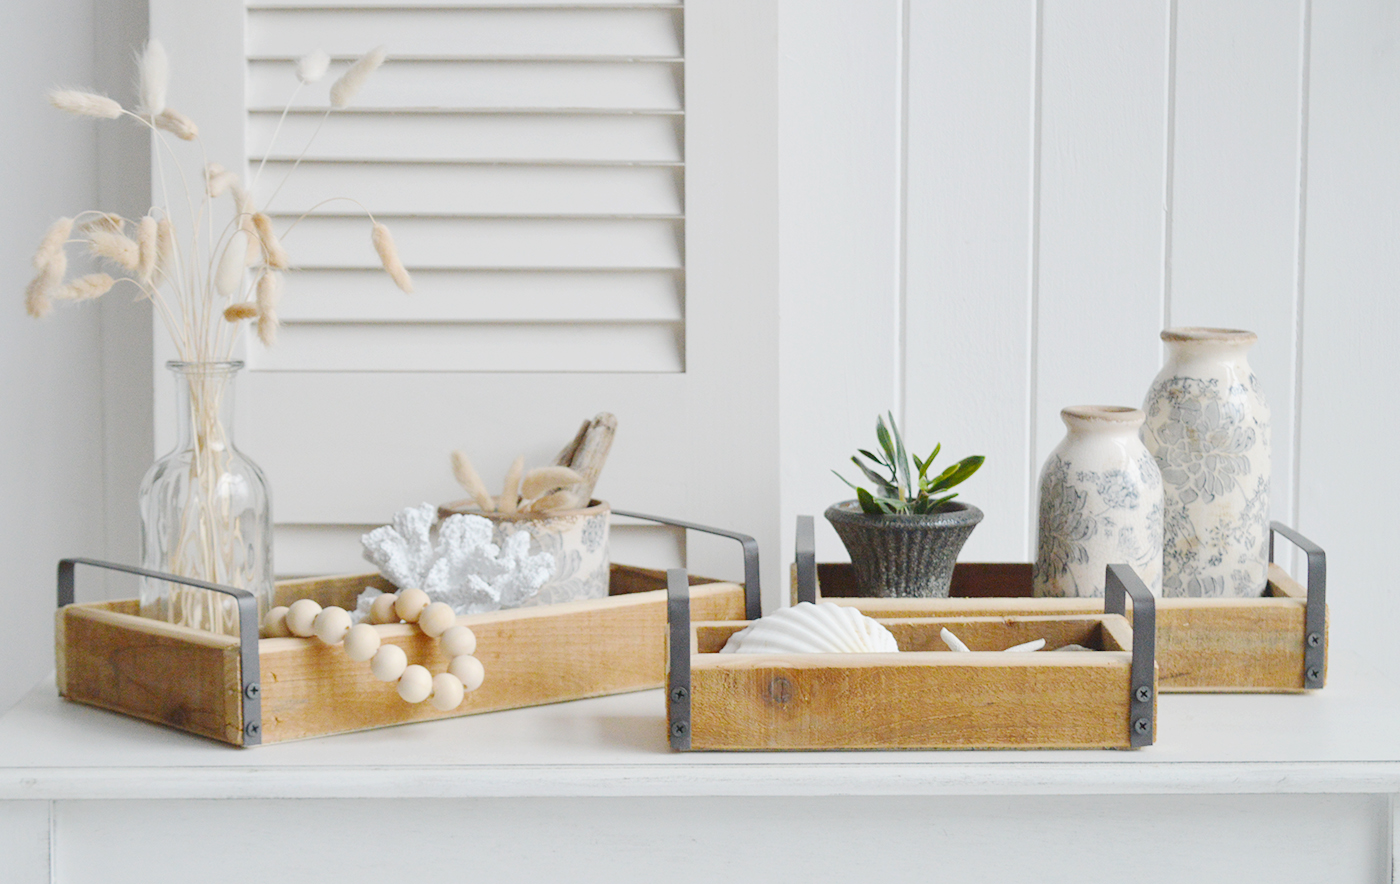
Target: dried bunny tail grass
509, 501
543, 480
313, 66
228, 279
148, 247
85, 104
109, 221
218, 180
154, 67
115, 247
165, 248
272, 250
243, 204
94, 285
269, 293
39, 294
344, 89
51, 246
177, 124
241, 311
557, 501
467, 477
389, 256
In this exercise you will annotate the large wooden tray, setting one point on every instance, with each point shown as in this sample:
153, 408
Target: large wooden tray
1273, 644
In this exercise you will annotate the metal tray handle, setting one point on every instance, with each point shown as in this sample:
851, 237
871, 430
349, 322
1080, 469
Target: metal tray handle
1121, 581
247, 630
1315, 610
753, 600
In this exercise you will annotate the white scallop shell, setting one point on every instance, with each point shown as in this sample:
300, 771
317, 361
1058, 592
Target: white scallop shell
806, 628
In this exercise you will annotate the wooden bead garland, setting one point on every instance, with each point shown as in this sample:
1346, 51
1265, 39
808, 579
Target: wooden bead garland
415, 683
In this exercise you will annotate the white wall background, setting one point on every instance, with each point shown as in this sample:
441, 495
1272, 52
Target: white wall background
990, 209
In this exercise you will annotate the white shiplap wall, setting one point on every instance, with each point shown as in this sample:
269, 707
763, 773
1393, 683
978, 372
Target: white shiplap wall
1064, 178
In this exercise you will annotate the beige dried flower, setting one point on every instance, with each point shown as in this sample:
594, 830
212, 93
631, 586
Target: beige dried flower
273, 253
241, 311
243, 204
269, 293
177, 124
467, 477
51, 246
109, 221
542, 481
550, 502
85, 104
148, 246
94, 285
165, 248
115, 247
218, 180
344, 89
155, 75
509, 501
313, 66
228, 279
39, 294
389, 256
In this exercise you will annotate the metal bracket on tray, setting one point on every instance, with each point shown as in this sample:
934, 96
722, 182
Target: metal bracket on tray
247, 630
1122, 581
753, 601
1315, 610
806, 560
678, 682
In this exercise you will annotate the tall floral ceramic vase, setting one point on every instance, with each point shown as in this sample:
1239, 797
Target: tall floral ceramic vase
205, 509
1100, 504
1208, 427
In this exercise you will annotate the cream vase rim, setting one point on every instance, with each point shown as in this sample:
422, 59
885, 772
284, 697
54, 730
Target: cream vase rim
1205, 335
1110, 415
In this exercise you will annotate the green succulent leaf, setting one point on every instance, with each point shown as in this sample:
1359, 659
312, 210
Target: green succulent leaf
901, 457
867, 502
883, 435
874, 458
956, 474
884, 484
905, 490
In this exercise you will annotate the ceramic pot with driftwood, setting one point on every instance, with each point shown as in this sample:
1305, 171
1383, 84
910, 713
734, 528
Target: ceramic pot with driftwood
904, 536
554, 505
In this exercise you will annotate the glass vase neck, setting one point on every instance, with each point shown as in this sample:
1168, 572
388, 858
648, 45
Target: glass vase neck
204, 404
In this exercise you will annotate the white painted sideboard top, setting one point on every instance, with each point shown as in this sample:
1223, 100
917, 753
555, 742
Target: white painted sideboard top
1343, 739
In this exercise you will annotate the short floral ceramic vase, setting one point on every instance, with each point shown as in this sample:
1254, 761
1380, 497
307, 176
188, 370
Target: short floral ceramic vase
1208, 427
1100, 504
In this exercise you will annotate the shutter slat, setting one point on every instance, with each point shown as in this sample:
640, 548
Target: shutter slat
447, 137
501, 190
499, 296
484, 85
416, 33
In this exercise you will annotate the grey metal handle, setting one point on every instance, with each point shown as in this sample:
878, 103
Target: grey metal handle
678, 683
1120, 582
247, 629
1315, 610
806, 560
753, 600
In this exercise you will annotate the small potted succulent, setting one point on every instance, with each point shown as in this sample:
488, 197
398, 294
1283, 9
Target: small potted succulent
904, 536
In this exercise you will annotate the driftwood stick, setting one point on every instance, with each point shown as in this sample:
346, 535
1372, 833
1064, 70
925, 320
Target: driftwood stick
587, 454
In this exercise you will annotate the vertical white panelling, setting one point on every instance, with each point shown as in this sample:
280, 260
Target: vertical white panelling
1235, 216
840, 102
1351, 320
968, 255
1104, 69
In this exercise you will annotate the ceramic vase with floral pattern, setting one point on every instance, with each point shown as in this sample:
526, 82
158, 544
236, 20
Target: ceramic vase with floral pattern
1208, 427
1100, 505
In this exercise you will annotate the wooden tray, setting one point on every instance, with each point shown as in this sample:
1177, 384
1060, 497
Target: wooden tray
926, 696
247, 690
1275, 643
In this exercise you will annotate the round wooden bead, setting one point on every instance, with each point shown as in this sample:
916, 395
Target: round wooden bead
275, 623
410, 604
301, 615
331, 625
457, 641
361, 642
415, 684
381, 610
388, 663
469, 670
436, 619
447, 691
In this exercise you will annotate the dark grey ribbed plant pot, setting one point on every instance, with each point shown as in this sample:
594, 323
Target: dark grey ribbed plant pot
903, 556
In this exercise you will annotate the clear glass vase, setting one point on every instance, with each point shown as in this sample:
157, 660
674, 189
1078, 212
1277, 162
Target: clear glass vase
205, 509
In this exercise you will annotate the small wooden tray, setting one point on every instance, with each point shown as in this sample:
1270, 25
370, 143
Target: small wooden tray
926, 696
1273, 644
245, 690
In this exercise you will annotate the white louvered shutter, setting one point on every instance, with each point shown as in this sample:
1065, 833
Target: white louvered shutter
531, 160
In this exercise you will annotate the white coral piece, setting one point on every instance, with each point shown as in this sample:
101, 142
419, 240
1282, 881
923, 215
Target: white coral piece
464, 567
